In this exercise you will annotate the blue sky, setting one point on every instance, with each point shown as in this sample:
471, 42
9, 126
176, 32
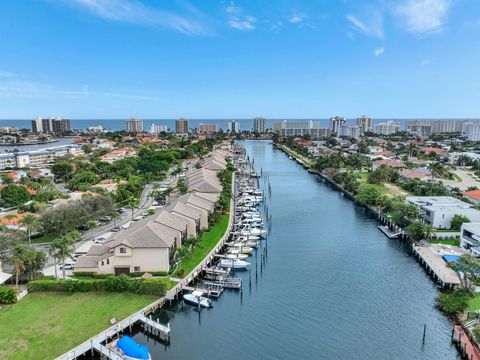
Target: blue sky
224, 59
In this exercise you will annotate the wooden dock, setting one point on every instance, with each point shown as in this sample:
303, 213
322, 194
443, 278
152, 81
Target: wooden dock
389, 233
433, 262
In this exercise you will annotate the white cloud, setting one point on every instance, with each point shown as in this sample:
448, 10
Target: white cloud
379, 51
246, 23
18, 89
372, 26
426, 62
424, 16
135, 12
297, 18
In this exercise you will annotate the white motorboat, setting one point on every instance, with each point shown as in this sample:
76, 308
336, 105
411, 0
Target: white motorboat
245, 250
236, 256
247, 238
233, 263
196, 298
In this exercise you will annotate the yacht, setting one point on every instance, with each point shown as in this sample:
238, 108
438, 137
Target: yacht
233, 263
196, 298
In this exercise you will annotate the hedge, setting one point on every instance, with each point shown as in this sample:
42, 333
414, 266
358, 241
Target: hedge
120, 283
106, 276
8, 295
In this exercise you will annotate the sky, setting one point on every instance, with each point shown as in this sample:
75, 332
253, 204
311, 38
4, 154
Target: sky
212, 59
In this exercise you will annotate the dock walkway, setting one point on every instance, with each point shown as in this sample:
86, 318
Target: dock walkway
432, 260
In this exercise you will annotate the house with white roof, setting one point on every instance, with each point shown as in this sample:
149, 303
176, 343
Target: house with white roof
438, 211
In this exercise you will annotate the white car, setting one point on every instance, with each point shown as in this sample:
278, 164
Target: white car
126, 225
67, 265
137, 218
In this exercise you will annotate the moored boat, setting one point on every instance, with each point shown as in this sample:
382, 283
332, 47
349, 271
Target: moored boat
131, 350
233, 263
196, 298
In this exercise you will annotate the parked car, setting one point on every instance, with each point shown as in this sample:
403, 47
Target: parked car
116, 228
126, 225
106, 218
68, 266
121, 210
137, 218
83, 227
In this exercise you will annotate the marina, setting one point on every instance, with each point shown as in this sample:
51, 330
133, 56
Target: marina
355, 282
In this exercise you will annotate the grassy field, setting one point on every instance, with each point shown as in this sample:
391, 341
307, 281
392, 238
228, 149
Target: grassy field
45, 325
474, 303
455, 241
207, 242
44, 239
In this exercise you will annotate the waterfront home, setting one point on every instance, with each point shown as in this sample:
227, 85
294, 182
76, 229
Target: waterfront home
198, 202
418, 173
473, 196
470, 238
438, 211
387, 162
147, 248
187, 226
190, 212
203, 180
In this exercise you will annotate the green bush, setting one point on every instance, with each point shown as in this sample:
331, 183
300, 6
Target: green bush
454, 303
153, 287
8, 295
141, 273
117, 283
46, 285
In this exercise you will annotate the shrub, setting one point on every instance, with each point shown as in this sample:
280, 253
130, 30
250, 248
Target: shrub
141, 273
8, 295
153, 287
117, 283
455, 303
46, 285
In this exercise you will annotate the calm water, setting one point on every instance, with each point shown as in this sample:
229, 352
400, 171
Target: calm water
333, 287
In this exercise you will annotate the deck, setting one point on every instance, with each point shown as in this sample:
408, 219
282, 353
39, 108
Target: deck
431, 258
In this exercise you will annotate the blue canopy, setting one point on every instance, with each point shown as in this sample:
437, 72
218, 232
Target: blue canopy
450, 258
132, 349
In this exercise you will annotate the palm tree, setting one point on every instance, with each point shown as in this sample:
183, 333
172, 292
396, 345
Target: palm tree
133, 203
18, 258
31, 223
115, 215
53, 252
437, 169
92, 224
65, 249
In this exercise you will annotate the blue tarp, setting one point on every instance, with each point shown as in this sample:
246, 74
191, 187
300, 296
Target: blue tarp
450, 258
132, 349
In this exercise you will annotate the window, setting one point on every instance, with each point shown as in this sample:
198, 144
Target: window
108, 261
136, 268
102, 263
123, 250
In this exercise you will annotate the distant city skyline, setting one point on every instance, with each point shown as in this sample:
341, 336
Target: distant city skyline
387, 59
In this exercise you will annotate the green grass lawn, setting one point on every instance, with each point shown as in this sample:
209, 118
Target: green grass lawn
474, 303
44, 239
455, 241
46, 325
207, 242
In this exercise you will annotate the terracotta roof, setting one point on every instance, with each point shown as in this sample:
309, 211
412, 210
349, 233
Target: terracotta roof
394, 163
473, 194
430, 149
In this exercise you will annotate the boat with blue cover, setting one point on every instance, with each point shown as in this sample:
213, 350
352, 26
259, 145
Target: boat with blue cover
131, 350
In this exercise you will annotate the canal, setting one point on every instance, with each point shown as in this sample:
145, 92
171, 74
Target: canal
333, 287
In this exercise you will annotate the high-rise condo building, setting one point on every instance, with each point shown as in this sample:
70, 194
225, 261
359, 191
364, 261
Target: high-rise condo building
364, 123
134, 125
336, 123
207, 129
181, 126
300, 128
387, 128
259, 125
233, 126
430, 127
50, 125
157, 129
471, 130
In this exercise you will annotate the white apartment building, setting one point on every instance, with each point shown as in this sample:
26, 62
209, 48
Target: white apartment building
37, 158
470, 238
365, 123
387, 128
157, 128
336, 123
259, 124
134, 125
438, 211
300, 128
471, 130
234, 126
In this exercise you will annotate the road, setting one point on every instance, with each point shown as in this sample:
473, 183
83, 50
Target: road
146, 201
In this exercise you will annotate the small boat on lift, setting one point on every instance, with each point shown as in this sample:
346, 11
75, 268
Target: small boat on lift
233, 263
131, 350
196, 298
